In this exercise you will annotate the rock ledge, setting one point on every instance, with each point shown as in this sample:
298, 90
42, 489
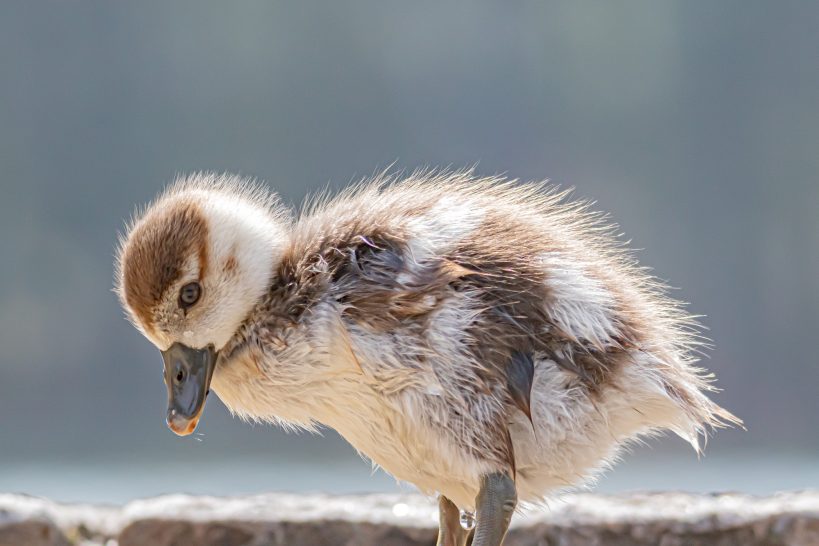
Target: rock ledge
665, 519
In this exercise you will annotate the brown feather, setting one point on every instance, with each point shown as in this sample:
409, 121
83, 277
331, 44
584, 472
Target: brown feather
153, 257
521, 375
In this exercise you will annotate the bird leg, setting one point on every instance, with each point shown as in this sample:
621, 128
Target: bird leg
495, 504
450, 532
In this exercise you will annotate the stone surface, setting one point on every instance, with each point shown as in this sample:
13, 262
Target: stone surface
664, 519
282, 519
25, 521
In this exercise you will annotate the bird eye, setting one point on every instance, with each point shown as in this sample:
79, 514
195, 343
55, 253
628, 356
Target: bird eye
189, 294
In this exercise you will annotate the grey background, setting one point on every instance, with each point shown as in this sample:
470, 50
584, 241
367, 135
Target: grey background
695, 124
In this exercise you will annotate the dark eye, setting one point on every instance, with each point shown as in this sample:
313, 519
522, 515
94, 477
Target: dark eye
189, 294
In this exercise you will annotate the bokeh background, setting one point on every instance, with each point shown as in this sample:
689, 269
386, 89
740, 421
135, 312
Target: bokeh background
695, 124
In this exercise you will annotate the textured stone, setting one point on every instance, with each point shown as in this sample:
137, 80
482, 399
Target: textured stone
278, 520
27, 522
658, 519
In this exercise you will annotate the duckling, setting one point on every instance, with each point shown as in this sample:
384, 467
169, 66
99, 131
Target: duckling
482, 339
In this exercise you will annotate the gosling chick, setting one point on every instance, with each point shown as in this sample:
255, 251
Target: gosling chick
481, 339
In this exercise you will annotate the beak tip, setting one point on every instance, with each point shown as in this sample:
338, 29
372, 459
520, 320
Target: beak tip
182, 427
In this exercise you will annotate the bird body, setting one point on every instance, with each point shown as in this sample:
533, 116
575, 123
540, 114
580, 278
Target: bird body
449, 327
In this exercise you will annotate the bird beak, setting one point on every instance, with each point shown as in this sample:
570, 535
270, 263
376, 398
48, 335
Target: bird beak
187, 375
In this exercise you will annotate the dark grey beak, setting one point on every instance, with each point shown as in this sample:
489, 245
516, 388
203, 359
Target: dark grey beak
187, 375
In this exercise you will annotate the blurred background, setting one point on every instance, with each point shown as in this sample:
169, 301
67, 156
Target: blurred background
695, 124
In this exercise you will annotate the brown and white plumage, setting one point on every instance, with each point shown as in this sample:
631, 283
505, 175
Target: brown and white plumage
448, 326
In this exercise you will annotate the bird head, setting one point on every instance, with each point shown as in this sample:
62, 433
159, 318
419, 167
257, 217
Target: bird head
190, 268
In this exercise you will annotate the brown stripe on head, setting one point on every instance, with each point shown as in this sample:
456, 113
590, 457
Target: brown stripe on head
155, 253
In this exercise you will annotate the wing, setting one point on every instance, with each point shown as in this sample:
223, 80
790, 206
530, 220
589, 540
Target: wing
382, 285
379, 284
